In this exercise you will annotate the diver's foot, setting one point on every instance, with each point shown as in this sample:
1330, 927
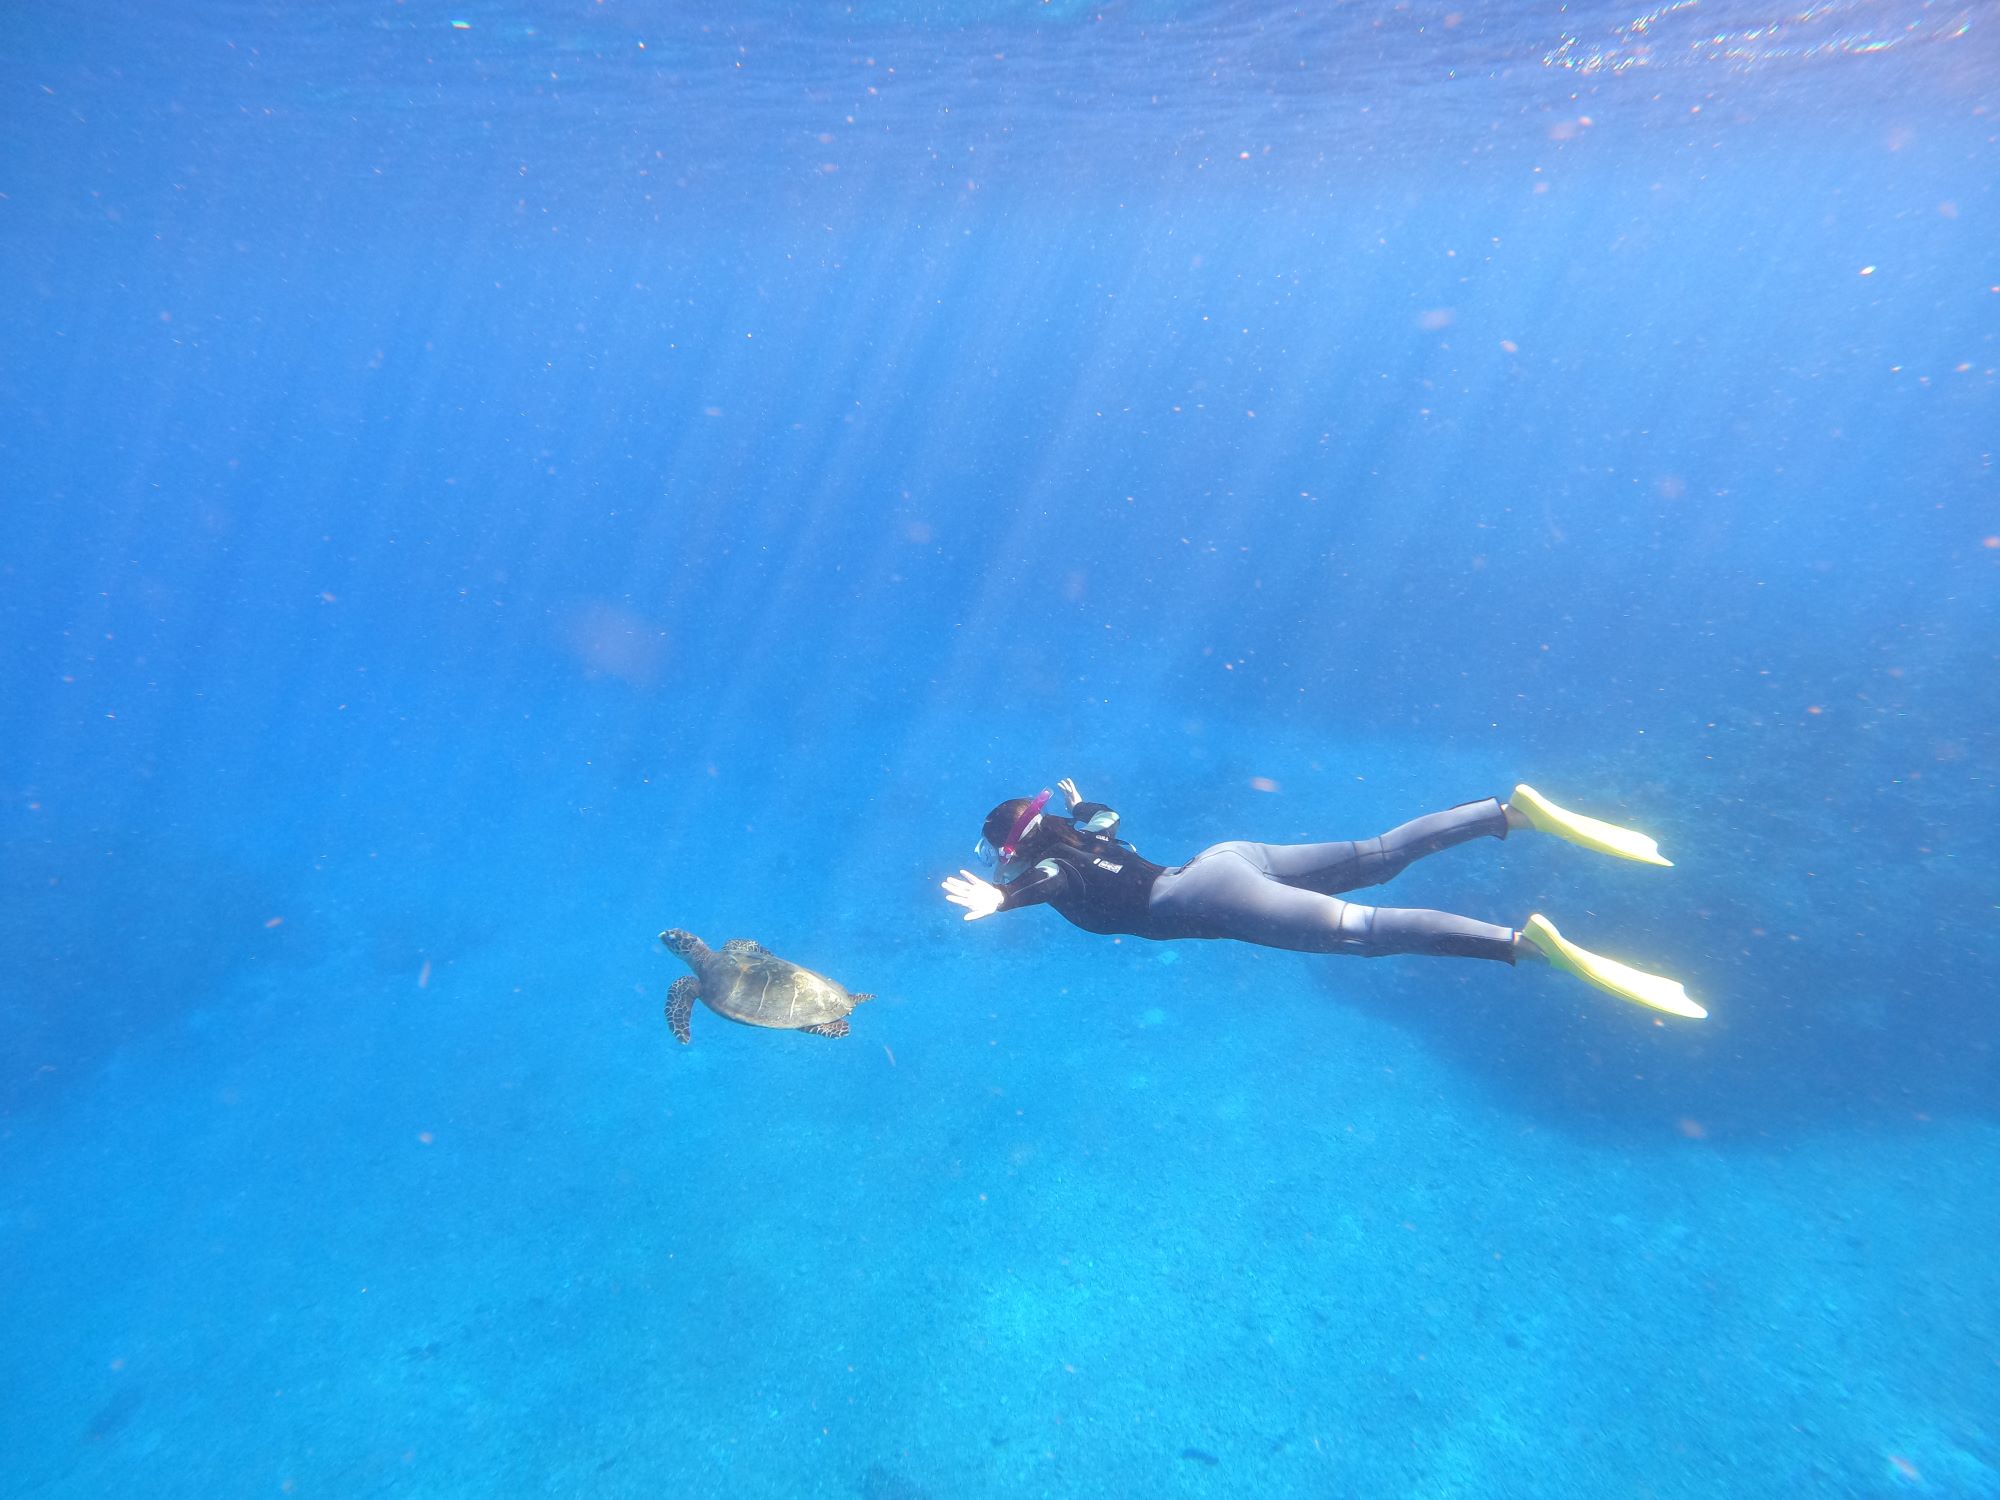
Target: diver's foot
1528, 808
1607, 974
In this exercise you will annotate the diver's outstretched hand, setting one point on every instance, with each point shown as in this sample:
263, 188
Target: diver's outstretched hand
980, 898
1067, 786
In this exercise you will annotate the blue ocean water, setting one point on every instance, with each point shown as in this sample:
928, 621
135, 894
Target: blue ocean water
483, 484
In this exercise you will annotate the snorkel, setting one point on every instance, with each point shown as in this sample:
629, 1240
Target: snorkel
1025, 824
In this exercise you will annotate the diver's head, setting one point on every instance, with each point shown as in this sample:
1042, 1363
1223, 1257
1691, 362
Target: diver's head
1010, 830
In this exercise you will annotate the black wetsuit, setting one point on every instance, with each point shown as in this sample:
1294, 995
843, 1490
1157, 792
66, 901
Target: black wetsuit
1091, 877
1276, 895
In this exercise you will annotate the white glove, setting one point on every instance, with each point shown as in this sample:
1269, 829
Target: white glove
1067, 786
980, 898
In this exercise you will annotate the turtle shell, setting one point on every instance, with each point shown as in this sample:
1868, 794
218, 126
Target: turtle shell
747, 983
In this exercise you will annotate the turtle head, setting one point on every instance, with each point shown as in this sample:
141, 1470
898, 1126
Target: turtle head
683, 945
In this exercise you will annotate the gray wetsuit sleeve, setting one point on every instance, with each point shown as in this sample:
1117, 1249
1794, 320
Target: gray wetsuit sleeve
1283, 895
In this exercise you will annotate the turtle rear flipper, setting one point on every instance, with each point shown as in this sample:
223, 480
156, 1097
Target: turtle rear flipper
680, 1005
835, 1027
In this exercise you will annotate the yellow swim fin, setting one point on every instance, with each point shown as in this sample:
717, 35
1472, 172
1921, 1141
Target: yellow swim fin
1619, 979
1606, 838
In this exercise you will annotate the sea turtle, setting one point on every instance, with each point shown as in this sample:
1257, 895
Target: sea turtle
746, 982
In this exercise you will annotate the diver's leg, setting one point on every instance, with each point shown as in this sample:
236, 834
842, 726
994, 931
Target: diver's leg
1222, 894
1348, 866
1374, 931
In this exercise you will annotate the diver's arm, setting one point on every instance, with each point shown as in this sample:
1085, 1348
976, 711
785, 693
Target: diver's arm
1095, 817
981, 898
1044, 882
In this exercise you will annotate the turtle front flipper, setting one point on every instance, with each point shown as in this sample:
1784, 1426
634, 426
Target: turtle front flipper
836, 1027
681, 996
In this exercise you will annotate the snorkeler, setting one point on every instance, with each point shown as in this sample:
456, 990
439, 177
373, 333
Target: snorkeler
1287, 895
